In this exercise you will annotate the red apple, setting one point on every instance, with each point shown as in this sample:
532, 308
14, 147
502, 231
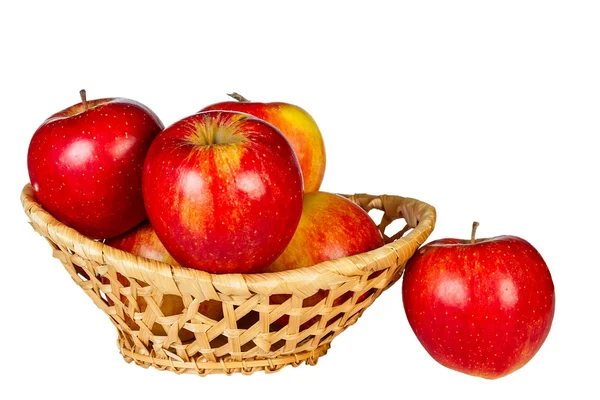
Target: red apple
331, 227
85, 164
483, 307
299, 128
223, 190
142, 241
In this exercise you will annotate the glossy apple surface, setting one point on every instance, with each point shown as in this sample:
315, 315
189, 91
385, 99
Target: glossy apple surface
223, 191
85, 165
331, 227
299, 128
142, 241
483, 308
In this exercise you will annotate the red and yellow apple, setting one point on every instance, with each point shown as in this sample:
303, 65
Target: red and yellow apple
85, 164
299, 128
482, 307
142, 241
331, 227
223, 191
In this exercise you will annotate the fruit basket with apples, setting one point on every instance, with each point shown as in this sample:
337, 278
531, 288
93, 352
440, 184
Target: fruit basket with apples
208, 244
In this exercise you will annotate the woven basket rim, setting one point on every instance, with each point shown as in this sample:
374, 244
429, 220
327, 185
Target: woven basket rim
170, 279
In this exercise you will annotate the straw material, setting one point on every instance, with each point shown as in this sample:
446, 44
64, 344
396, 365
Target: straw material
185, 320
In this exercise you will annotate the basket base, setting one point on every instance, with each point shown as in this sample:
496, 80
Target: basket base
228, 367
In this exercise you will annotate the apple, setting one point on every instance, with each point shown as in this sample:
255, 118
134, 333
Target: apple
299, 128
142, 241
85, 164
330, 227
223, 191
482, 307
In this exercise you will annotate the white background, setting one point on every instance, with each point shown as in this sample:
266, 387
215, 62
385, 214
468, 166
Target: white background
486, 110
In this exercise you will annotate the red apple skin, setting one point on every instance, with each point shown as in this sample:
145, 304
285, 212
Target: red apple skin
85, 165
299, 128
331, 227
142, 241
223, 191
482, 308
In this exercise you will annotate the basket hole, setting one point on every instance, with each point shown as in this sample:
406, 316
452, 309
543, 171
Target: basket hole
171, 305
306, 340
278, 324
277, 345
158, 330
131, 323
248, 346
342, 299
334, 319
122, 280
81, 273
212, 309
185, 336
314, 320
104, 297
248, 320
279, 298
397, 226
375, 274
366, 295
315, 299
376, 215
217, 342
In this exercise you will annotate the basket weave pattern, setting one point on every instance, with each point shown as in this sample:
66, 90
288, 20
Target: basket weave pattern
244, 336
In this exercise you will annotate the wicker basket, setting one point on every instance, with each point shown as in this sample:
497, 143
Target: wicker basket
244, 339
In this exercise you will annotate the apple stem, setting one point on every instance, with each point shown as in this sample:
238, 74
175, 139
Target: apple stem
238, 97
83, 98
473, 230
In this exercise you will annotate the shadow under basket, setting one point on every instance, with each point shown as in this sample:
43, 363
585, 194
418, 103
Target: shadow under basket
185, 320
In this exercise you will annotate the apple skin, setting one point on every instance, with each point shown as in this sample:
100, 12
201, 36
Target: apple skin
223, 191
299, 128
142, 241
483, 308
331, 227
85, 165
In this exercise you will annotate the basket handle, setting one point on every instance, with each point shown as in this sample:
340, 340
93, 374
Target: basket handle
420, 220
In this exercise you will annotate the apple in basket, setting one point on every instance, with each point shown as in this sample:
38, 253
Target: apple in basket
483, 307
223, 191
142, 241
331, 227
85, 164
299, 128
